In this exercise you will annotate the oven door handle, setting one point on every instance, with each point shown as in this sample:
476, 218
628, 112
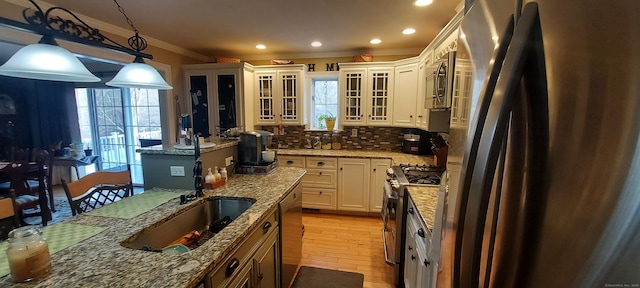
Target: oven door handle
386, 255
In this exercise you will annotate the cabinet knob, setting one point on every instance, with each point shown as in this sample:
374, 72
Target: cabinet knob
421, 232
232, 266
413, 257
320, 163
419, 116
319, 173
426, 263
266, 226
374, 169
340, 168
320, 193
289, 162
411, 210
410, 116
410, 248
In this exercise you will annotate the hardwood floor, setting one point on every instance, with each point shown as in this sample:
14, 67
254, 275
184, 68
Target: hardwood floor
347, 243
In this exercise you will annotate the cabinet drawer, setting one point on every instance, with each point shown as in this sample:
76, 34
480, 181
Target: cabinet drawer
241, 256
291, 161
322, 162
322, 178
319, 198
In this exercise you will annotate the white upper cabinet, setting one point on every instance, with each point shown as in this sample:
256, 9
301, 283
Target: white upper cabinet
405, 97
366, 94
279, 95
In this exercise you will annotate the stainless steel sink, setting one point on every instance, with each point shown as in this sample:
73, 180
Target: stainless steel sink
207, 218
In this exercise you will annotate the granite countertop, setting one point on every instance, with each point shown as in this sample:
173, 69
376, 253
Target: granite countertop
426, 200
396, 157
100, 261
161, 150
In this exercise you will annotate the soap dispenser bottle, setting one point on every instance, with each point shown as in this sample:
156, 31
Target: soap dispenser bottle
216, 174
209, 178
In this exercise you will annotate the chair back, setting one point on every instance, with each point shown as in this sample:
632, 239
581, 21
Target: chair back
97, 189
27, 181
9, 219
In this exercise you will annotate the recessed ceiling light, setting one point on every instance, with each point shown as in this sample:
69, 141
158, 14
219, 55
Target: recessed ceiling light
375, 41
261, 46
408, 31
316, 43
422, 2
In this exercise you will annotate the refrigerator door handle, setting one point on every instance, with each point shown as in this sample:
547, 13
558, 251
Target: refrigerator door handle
523, 170
471, 149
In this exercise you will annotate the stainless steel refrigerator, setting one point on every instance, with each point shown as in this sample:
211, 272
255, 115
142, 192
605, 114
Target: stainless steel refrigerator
544, 168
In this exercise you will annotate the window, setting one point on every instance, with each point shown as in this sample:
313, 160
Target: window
324, 99
112, 120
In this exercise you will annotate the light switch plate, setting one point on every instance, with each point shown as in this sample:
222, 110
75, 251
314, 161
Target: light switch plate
228, 160
177, 171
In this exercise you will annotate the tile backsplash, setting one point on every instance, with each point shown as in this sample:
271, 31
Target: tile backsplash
368, 138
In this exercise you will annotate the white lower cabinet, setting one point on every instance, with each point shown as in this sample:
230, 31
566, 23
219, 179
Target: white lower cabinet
378, 176
344, 184
417, 265
319, 183
353, 184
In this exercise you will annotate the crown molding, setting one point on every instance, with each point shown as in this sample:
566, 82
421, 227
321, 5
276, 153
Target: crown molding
331, 54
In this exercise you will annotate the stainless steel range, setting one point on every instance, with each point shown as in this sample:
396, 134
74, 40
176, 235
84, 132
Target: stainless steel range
393, 203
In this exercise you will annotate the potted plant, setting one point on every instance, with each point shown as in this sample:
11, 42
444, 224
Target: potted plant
88, 151
326, 121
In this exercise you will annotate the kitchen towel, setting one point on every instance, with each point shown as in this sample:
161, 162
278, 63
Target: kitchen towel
133, 206
59, 236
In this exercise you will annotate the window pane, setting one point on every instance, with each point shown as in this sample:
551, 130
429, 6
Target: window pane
324, 101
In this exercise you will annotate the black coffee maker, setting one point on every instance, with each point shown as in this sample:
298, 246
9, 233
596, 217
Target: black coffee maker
252, 143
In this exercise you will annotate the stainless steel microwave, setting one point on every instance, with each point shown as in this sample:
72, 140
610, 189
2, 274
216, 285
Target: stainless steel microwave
441, 82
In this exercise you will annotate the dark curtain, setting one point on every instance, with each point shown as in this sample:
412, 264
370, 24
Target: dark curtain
45, 113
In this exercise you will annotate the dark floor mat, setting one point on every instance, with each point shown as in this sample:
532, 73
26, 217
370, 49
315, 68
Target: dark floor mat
312, 277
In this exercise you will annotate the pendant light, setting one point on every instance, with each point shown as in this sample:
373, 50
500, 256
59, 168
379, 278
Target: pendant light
47, 61
137, 74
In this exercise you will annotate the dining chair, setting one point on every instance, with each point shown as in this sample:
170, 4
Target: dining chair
98, 189
28, 181
9, 219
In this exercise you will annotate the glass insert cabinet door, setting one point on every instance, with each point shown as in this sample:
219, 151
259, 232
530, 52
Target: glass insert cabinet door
289, 96
353, 93
379, 96
266, 110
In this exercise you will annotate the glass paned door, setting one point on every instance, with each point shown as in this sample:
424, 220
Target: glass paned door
112, 122
265, 97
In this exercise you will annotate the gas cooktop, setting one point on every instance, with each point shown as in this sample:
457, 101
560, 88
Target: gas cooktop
418, 174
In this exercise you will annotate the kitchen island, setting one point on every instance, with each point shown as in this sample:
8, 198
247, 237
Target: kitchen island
170, 167
101, 261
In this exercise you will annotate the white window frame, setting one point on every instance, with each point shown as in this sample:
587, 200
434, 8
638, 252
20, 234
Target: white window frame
320, 75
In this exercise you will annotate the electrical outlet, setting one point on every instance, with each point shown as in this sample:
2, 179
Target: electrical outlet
275, 131
228, 160
354, 132
177, 170
282, 131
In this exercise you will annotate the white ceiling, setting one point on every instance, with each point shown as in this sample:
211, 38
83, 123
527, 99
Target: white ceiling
232, 28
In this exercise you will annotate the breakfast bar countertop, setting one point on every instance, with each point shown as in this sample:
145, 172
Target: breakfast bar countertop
100, 261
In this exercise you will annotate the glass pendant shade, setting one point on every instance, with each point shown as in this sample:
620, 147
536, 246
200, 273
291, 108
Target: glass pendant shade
139, 75
47, 62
